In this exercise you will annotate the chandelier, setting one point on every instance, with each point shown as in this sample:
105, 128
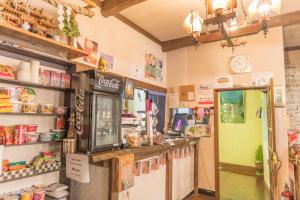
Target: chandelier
223, 14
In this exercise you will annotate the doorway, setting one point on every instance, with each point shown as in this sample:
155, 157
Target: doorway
244, 143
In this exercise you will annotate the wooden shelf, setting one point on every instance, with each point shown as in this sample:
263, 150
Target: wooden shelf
37, 40
30, 84
37, 114
55, 142
29, 172
32, 54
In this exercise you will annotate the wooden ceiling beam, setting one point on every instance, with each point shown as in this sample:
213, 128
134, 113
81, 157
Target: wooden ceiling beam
137, 28
113, 7
280, 20
90, 3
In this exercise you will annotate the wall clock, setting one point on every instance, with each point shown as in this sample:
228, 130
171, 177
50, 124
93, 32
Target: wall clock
240, 64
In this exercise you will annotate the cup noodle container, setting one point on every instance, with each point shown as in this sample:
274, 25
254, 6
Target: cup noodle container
34, 69
1, 156
24, 72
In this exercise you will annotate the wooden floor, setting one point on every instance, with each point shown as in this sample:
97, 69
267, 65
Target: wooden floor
201, 197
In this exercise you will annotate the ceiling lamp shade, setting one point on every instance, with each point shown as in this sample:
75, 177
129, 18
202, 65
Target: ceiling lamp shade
219, 5
264, 7
193, 23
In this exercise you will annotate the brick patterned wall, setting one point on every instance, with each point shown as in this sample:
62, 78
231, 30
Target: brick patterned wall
292, 75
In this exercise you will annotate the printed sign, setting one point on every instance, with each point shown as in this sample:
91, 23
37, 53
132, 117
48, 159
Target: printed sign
107, 83
78, 167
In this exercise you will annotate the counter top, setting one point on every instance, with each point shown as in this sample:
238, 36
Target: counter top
144, 152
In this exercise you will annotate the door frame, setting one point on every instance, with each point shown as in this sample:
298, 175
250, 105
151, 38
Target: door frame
216, 126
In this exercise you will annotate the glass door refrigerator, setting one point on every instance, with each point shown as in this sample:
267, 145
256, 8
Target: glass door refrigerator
102, 113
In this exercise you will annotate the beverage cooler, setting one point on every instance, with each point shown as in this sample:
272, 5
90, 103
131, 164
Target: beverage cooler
102, 111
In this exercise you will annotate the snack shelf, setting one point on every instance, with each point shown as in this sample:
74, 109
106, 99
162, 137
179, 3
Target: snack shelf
39, 41
56, 142
29, 172
37, 114
30, 84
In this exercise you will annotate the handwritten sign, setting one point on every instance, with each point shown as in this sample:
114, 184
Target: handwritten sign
78, 168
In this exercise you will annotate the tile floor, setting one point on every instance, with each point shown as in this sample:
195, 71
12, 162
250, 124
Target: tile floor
235, 186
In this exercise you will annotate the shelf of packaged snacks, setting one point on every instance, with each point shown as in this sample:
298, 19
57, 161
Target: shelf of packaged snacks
31, 84
56, 142
29, 172
40, 41
38, 114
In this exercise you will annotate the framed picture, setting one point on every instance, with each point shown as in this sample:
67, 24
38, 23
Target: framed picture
279, 96
232, 106
129, 89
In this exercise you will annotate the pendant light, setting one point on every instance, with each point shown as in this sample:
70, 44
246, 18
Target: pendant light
193, 23
264, 7
219, 6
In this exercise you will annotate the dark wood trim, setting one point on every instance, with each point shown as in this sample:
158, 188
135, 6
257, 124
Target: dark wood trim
90, 3
280, 20
292, 48
287, 19
137, 28
112, 7
137, 83
196, 167
169, 180
216, 129
243, 88
210, 37
239, 169
216, 143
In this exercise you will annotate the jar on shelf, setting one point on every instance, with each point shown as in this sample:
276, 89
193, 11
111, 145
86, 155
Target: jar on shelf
24, 73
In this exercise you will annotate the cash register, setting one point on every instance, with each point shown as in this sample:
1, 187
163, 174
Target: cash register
179, 124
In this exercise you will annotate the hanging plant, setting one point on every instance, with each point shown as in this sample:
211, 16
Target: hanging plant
67, 22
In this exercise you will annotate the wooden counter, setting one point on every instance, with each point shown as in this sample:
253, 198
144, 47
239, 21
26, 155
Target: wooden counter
143, 152
107, 159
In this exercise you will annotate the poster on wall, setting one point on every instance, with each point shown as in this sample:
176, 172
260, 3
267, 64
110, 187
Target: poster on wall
106, 61
129, 89
205, 94
153, 68
91, 47
232, 106
262, 78
223, 82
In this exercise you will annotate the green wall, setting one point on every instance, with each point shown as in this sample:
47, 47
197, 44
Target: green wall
238, 142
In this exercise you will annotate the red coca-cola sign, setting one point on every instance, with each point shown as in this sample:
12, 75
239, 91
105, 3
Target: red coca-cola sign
107, 83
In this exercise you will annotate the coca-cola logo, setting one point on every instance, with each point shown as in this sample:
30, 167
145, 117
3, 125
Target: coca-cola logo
110, 83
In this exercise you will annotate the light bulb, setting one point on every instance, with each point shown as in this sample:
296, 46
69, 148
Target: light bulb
193, 23
219, 4
264, 7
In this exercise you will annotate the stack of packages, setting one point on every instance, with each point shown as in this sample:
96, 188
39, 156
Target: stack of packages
57, 191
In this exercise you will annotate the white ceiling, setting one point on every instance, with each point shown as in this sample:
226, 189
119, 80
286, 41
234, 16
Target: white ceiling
163, 19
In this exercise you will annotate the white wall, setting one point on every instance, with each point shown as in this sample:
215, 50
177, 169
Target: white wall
195, 65
127, 46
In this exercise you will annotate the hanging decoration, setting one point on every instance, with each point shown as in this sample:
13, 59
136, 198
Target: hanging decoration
66, 21
223, 13
77, 9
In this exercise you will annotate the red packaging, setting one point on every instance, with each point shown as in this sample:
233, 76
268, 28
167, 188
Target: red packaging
31, 128
20, 134
2, 135
9, 134
65, 80
55, 79
45, 77
60, 123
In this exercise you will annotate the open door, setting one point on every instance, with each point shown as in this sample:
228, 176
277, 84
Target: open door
274, 162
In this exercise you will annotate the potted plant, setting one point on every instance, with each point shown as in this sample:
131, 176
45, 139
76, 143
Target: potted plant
259, 160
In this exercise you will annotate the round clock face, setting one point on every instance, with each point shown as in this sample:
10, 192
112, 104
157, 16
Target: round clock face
240, 64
